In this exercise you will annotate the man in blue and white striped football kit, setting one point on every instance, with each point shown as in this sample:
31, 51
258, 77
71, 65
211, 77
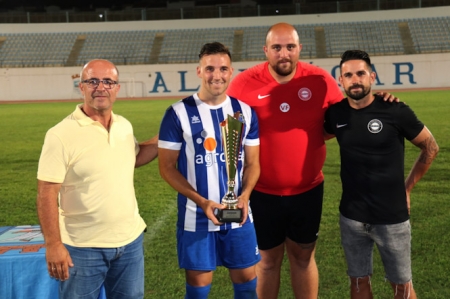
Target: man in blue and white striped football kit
192, 161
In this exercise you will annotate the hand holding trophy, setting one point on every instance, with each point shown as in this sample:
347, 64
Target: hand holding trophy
231, 139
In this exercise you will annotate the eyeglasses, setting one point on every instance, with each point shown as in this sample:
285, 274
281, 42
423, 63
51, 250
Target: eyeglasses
94, 83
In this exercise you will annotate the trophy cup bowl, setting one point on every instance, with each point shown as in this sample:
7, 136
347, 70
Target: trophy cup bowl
231, 129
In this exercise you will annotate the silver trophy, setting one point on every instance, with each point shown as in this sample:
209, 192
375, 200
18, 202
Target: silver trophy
231, 139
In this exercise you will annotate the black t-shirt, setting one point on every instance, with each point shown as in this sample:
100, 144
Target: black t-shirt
371, 144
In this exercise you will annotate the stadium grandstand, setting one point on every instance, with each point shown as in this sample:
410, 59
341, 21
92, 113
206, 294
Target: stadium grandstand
157, 42
157, 58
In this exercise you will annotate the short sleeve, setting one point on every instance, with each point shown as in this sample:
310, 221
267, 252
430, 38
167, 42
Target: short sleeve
170, 132
53, 162
327, 122
252, 138
408, 123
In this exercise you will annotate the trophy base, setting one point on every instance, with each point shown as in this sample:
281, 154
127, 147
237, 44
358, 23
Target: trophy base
229, 215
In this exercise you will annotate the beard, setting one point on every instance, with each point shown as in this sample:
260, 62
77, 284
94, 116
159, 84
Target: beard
282, 70
357, 95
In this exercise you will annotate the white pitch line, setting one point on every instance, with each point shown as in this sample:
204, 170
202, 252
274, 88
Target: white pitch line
155, 228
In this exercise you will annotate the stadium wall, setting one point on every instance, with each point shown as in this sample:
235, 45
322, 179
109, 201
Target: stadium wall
60, 83
394, 72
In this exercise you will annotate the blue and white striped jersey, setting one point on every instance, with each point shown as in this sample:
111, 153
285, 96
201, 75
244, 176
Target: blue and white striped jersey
193, 128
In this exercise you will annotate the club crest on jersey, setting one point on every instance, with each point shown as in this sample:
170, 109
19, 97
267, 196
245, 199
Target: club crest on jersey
195, 119
241, 118
284, 107
375, 126
304, 94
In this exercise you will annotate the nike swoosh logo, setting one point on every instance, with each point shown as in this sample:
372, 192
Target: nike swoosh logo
340, 126
260, 97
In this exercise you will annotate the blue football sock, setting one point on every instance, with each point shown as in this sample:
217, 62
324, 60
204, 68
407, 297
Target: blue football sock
197, 292
246, 290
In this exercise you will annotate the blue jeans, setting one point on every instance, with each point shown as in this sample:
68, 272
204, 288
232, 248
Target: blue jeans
120, 270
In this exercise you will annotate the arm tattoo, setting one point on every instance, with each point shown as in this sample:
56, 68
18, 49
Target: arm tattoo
429, 149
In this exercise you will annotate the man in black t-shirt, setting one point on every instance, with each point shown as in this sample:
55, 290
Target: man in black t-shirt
375, 200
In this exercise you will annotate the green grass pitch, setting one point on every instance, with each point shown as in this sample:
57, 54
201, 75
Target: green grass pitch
23, 126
